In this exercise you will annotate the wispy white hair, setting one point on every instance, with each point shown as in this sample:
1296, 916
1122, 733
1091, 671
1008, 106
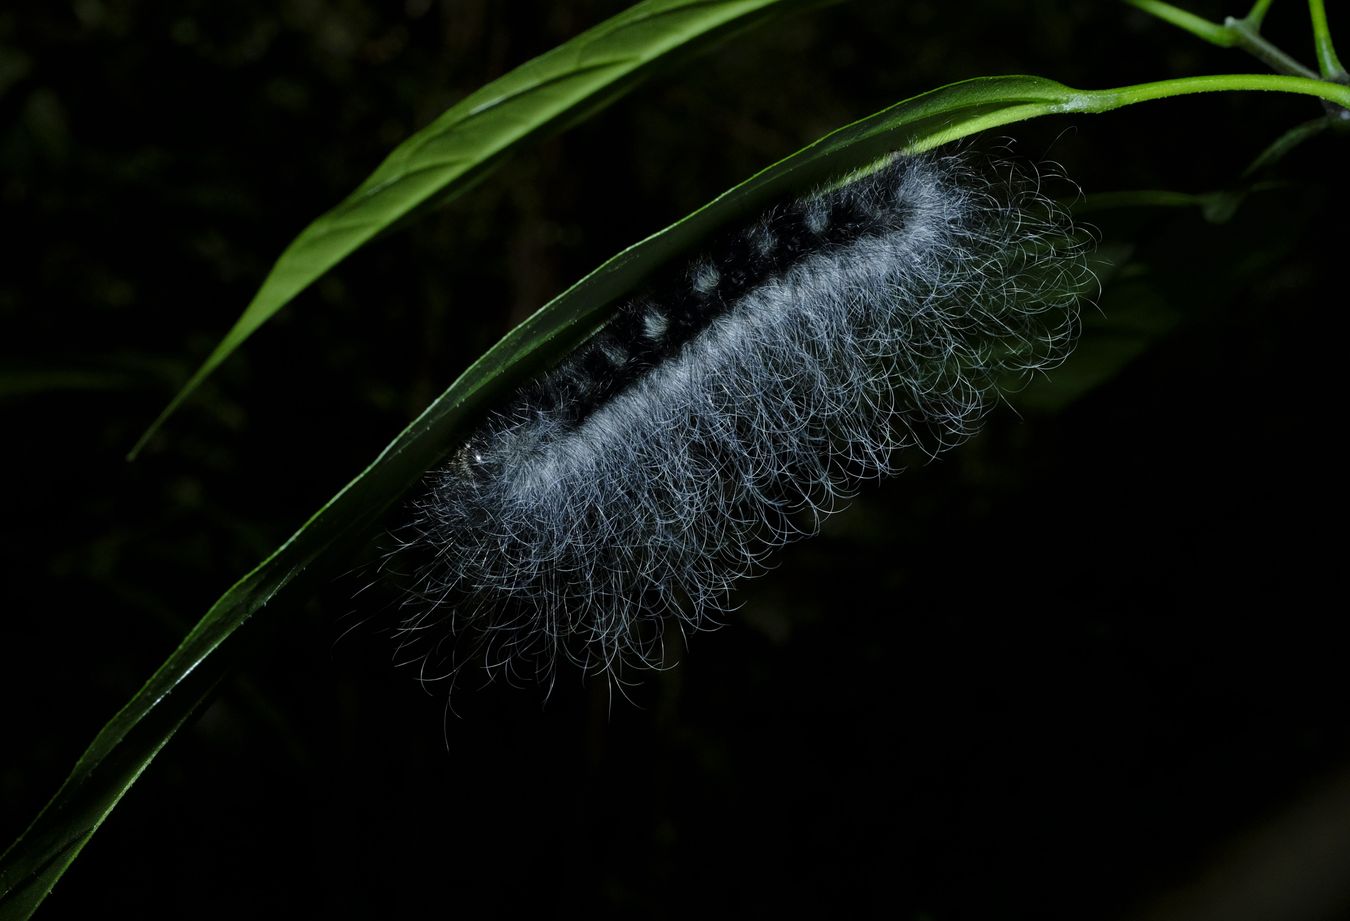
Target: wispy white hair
731, 409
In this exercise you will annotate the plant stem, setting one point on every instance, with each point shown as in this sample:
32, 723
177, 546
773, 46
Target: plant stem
1066, 100
1242, 33
1198, 26
1283, 144
1257, 13
1248, 37
1331, 66
1106, 100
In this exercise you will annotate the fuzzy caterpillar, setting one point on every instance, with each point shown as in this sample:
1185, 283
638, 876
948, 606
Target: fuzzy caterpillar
731, 409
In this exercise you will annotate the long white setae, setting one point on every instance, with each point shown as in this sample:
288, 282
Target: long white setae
734, 406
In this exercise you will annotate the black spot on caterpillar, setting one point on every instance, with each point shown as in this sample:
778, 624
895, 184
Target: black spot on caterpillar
732, 407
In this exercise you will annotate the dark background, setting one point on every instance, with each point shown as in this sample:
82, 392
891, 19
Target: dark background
1088, 666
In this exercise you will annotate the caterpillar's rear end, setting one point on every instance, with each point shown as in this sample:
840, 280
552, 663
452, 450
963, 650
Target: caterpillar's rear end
731, 408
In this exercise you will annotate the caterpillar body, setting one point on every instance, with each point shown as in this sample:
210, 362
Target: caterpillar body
731, 408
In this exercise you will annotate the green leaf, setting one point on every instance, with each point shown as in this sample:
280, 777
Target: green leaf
130, 740
446, 157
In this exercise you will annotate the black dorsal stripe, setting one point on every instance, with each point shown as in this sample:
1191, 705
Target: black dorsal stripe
685, 302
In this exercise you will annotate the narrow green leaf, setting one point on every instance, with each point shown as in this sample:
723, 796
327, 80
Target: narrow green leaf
473, 136
123, 748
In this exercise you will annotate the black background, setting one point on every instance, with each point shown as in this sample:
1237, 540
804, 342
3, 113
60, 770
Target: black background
1089, 665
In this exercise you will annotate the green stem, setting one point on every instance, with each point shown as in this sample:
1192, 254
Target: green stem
1247, 37
1286, 142
1198, 26
1331, 66
1257, 13
1138, 198
1106, 100
1068, 100
1242, 33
